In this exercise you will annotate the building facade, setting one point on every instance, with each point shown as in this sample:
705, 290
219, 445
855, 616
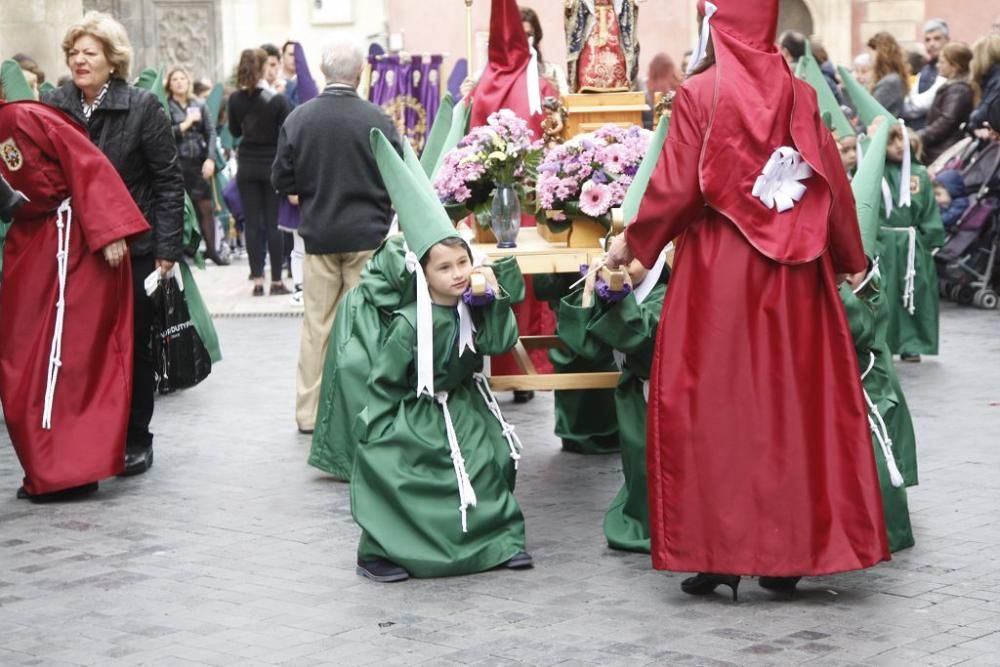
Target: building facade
208, 35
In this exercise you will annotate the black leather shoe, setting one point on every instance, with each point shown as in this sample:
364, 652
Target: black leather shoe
137, 461
523, 396
778, 584
58, 496
704, 584
520, 561
910, 358
381, 570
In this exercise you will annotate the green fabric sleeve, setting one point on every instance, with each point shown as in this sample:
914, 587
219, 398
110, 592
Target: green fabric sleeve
629, 326
510, 279
496, 327
861, 319
573, 325
927, 215
387, 382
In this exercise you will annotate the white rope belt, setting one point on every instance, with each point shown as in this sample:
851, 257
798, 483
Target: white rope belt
466, 494
879, 429
909, 279
64, 220
513, 442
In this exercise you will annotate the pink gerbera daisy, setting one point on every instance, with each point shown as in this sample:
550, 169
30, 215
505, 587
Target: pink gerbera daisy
595, 199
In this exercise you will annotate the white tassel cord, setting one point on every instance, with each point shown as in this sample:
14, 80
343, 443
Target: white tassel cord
910, 277
879, 429
907, 170
513, 442
466, 494
64, 222
887, 198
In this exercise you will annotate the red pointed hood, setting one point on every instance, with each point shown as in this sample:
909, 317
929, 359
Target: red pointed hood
504, 84
758, 107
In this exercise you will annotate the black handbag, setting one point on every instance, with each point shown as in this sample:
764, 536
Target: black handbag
178, 351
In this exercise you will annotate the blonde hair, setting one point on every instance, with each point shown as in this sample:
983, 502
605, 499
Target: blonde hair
112, 36
188, 94
985, 54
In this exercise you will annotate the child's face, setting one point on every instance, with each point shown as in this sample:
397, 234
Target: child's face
895, 150
636, 271
448, 270
848, 152
942, 196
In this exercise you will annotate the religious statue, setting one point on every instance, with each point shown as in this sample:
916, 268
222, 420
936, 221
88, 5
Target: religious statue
602, 40
555, 121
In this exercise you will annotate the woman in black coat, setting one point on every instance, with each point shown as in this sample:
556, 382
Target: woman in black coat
131, 128
986, 79
952, 103
256, 114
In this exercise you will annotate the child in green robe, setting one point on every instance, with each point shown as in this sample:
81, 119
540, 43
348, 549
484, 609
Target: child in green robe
624, 328
911, 230
581, 421
426, 488
363, 317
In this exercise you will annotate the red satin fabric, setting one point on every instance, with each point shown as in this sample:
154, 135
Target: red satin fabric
758, 106
93, 392
759, 453
504, 86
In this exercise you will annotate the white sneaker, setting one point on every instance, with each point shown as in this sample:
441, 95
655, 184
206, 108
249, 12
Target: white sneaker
297, 299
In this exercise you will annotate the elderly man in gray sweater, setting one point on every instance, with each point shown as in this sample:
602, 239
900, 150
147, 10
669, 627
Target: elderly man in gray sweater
325, 164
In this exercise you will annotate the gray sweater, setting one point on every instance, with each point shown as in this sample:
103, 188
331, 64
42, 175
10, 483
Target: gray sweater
890, 93
324, 156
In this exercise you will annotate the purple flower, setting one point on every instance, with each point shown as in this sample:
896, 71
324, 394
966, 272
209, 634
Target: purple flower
599, 176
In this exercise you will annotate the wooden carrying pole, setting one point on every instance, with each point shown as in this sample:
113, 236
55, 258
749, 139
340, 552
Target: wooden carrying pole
468, 35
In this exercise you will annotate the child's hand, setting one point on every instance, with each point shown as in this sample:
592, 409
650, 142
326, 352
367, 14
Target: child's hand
491, 278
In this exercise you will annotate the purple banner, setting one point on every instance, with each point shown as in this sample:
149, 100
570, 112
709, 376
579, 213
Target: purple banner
409, 90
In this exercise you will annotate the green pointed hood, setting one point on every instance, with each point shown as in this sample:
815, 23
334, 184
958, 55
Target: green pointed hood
46, 87
867, 187
868, 107
213, 104
459, 127
810, 72
15, 88
438, 135
636, 191
152, 80
421, 216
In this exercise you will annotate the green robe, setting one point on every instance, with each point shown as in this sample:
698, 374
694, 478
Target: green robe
363, 316
916, 333
581, 415
404, 492
630, 328
863, 315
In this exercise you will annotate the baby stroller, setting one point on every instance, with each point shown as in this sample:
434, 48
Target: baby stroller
967, 262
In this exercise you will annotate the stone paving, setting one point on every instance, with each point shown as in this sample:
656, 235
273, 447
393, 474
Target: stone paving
232, 551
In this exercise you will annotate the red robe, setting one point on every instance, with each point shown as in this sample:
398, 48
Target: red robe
504, 86
49, 158
759, 453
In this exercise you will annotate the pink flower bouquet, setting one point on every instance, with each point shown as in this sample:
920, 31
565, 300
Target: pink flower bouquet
502, 151
589, 175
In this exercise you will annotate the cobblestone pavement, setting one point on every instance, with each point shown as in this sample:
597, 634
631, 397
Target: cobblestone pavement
232, 551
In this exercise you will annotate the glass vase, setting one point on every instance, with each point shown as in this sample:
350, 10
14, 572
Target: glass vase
505, 220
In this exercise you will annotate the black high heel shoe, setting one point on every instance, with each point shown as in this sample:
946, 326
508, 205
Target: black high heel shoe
704, 584
778, 584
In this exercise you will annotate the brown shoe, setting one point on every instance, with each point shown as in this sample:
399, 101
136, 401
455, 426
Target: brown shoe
278, 289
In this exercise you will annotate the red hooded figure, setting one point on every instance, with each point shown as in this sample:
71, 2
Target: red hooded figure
759, 451
505, 85
65, 312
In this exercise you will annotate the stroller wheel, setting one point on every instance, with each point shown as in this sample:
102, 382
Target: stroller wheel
966, 295
986, 299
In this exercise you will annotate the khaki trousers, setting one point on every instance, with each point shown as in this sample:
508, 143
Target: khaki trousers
326, 280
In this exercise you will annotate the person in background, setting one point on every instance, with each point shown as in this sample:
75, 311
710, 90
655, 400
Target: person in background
662, 77
926, 79
952, 103
202, 88
848, 147
324, 161
549, 70
949, 192
985, 73
132, 129
288, 74
861, 68
194, 132
792, 45
828, 69
936, 35
890, 79
256, 113
272, 67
